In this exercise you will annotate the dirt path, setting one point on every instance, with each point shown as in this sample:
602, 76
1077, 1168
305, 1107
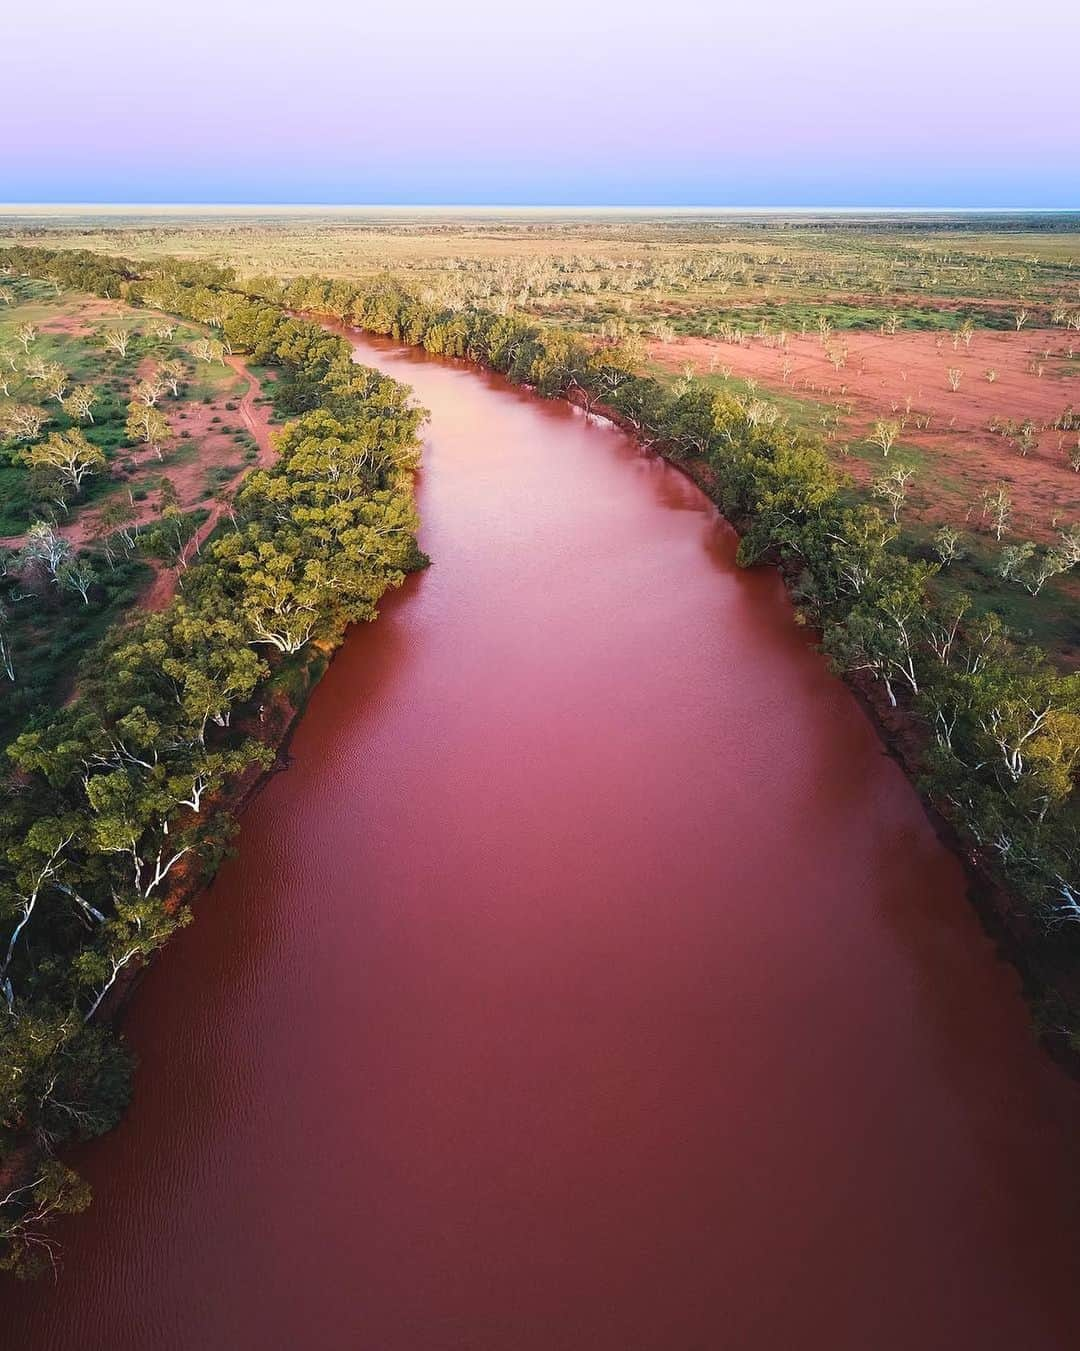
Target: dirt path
256, 418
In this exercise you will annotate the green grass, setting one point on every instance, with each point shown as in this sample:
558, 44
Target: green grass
52, 634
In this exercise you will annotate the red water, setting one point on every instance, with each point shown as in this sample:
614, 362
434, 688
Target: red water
591, 981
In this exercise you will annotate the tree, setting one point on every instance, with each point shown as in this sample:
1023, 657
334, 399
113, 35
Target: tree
26, 334
115, 520
56, 381
8, 367
23, 421
172, 373
611, 366
69, 454
7, 658
1029, 718
883, 631
141, 927
997, 507
80, 402
884, 435
1033, 568
148, 391
892, 487
953, 376
948, 545
148, 425
26, 1211
78, 577
1014, 557
117, 340
43, 545
282, 600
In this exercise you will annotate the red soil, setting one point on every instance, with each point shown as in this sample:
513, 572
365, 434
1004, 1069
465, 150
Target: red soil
82, 316
903, 376
216, 448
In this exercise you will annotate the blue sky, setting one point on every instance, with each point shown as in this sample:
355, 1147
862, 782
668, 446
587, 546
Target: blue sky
601, 102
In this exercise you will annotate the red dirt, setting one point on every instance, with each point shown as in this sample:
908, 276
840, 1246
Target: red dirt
903, 376
215, 448
81, 316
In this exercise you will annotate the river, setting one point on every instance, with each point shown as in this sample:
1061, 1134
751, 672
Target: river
591, 981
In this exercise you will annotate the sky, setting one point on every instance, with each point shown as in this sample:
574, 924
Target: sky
559, 102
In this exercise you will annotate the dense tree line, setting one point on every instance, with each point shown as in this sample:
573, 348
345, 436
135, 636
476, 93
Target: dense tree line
111, 806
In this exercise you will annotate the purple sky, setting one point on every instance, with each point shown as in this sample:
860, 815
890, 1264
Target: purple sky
694, 102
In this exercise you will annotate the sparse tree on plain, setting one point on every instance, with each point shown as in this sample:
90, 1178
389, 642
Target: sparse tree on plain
56, 381
1033, 568
148, 391
69, 454
172, 373
80, 402
948, 545
148, 425
1012, 558
117, 340
954, 375
885, 435
26, 334
997, 508
893, 487
43, 545
116, 529
79, 577
23, 421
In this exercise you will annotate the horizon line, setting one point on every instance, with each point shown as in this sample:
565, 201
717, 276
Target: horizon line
27, 206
